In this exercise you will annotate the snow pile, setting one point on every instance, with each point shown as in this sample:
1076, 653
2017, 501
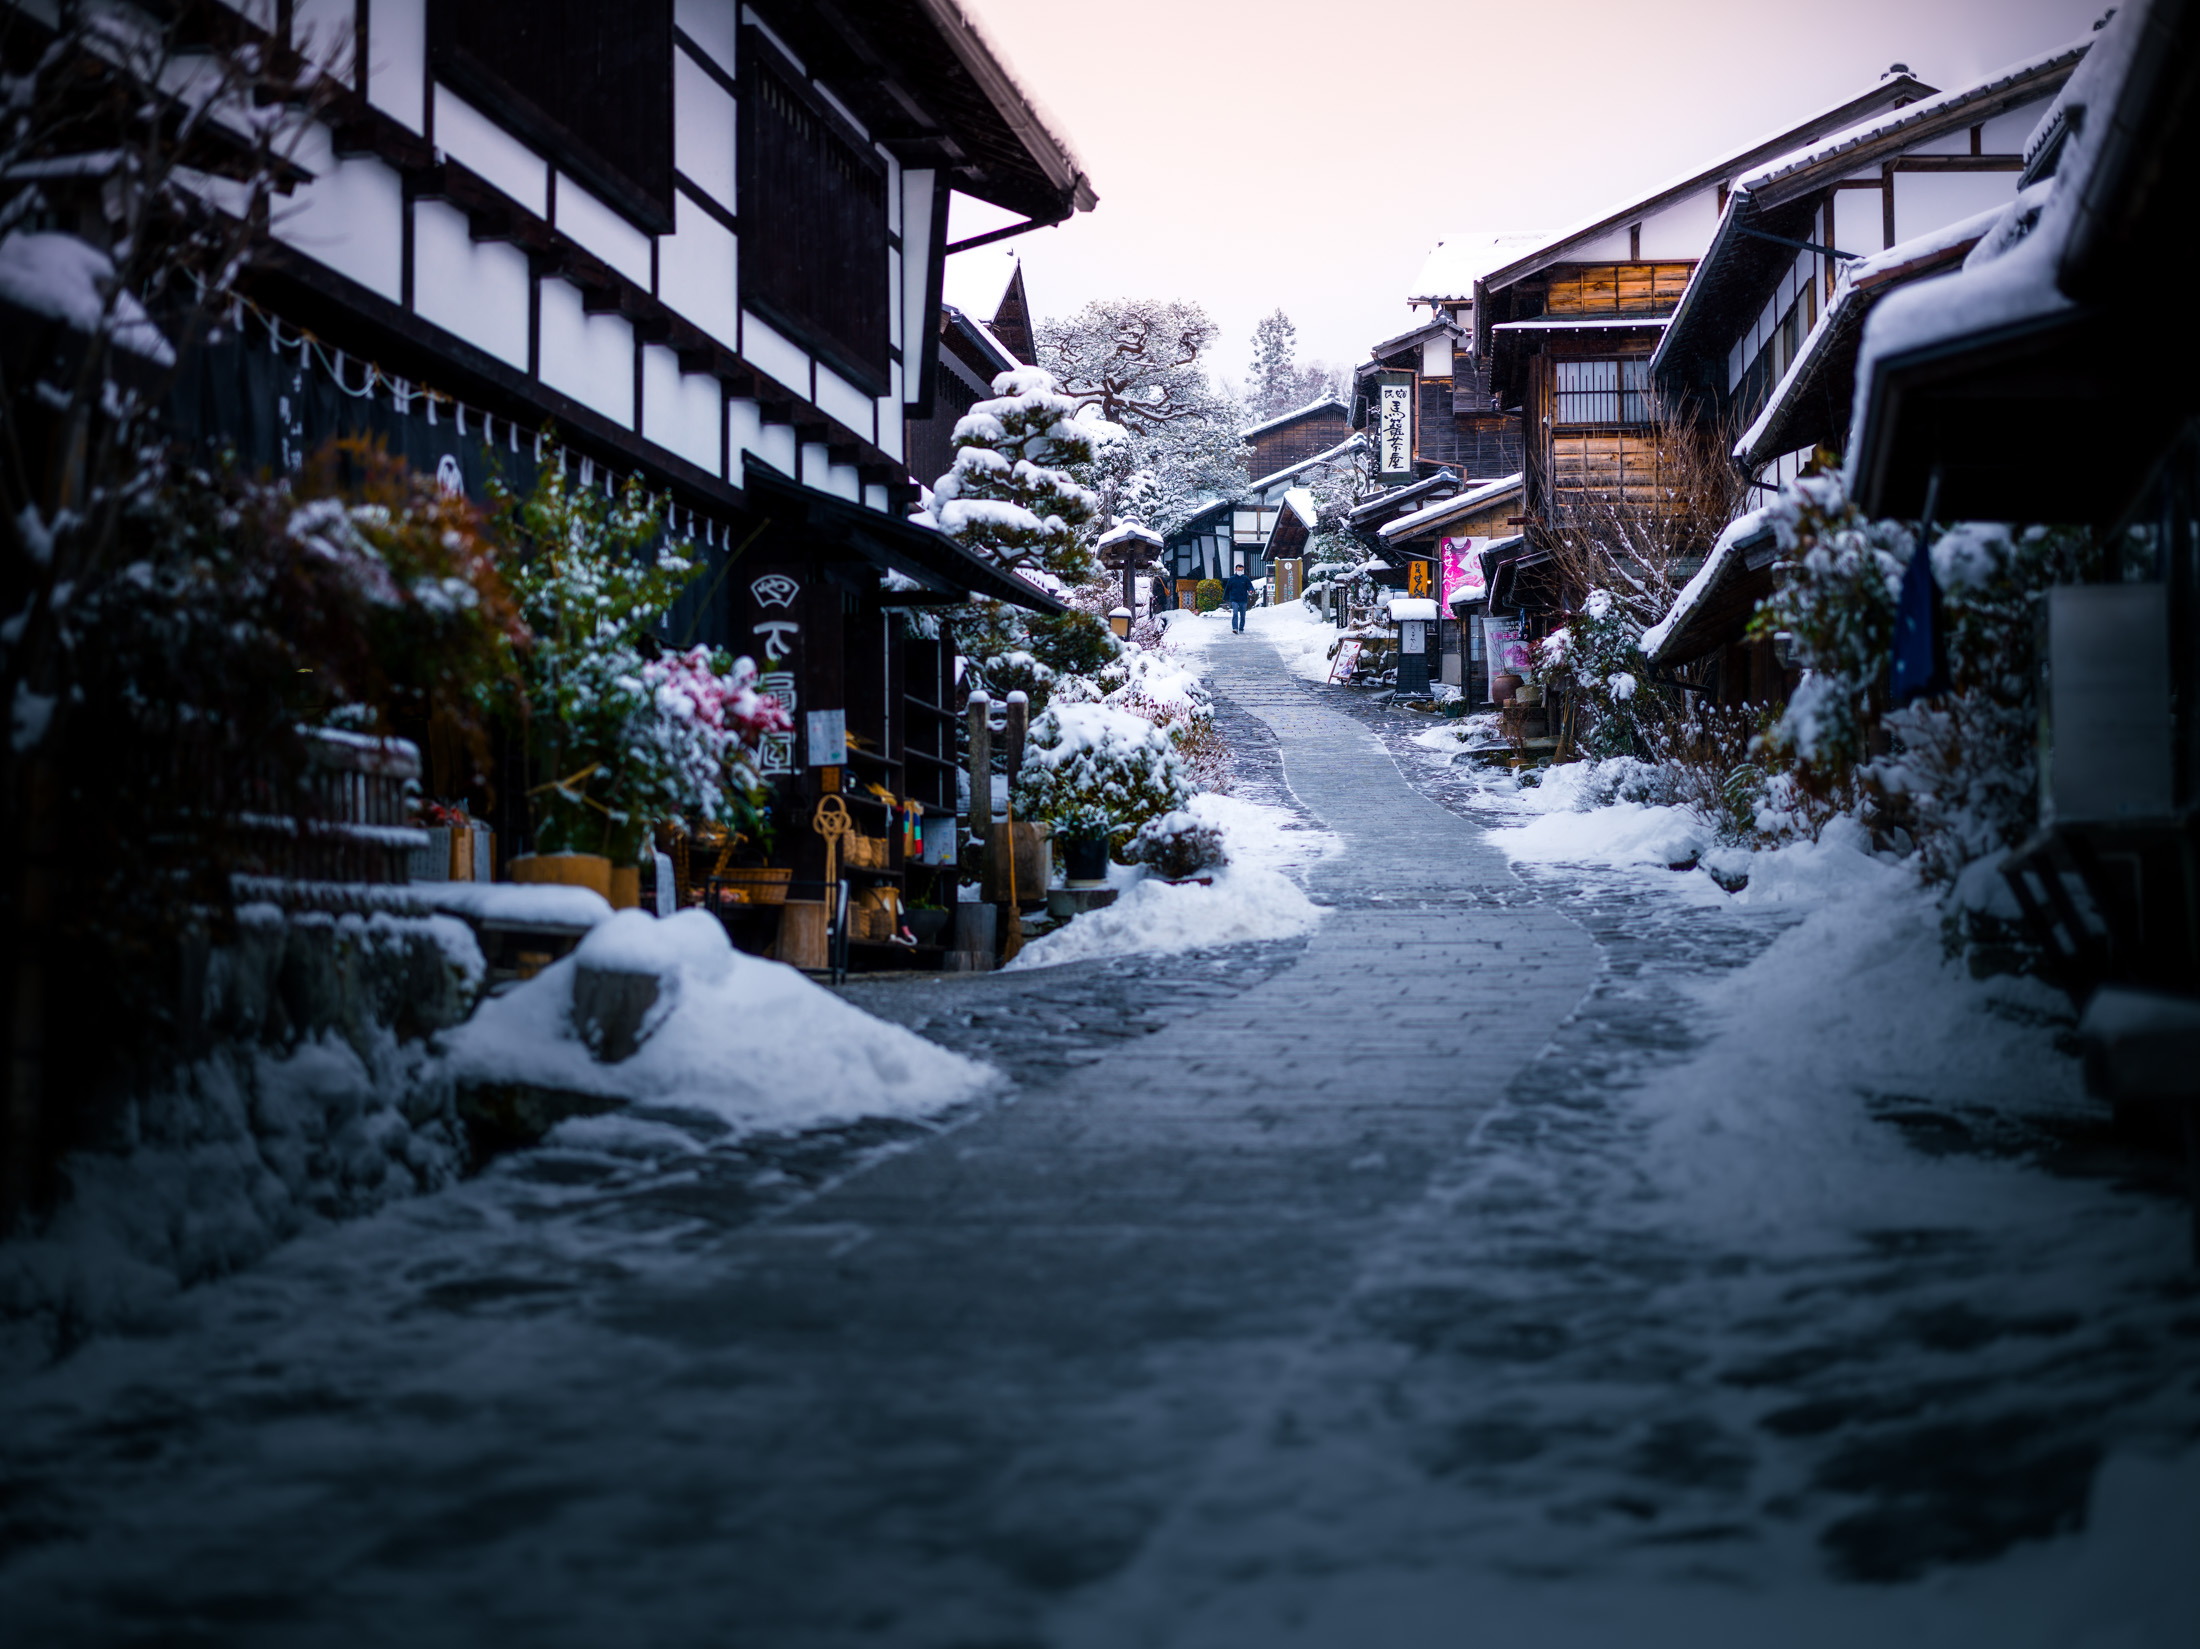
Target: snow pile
1572, 819
546, 903
1251, 898
238, 1154
1300, 637
750, 1042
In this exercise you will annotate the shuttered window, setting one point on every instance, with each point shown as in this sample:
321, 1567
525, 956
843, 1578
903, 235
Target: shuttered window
587, 84
813, 220
1602, 392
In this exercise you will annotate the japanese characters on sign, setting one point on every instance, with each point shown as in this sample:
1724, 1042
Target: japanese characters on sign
1394, 429
1417, 578
1461, 562
1508, 649
777, 632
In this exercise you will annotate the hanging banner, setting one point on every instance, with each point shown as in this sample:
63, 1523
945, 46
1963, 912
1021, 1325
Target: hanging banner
1394, 427
1508, 649
1460, 560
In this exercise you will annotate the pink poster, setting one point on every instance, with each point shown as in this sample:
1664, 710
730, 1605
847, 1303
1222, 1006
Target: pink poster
1460, 560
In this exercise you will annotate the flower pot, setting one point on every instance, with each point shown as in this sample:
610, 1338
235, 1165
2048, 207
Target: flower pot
588, 870
626, 887
1504, 687
1085, 860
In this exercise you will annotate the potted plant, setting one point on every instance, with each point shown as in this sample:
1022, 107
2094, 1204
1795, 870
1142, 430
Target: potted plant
624, 732
1082, 828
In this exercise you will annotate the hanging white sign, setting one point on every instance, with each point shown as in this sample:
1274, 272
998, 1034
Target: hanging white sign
1394, 429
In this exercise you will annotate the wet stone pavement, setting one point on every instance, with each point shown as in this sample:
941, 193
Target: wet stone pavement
1278, 1292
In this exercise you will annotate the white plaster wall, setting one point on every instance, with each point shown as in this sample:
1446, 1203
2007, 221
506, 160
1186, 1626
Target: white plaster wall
698, 270
874, 497
893, 295
1683, 229
889, 414
838, 398
713, 25
2006, 134
1612, 245
917, 197
351, 217
475, 290
324, 31
893, 190
744, 432
680, 410
601, 230
478, 143
1925, 201
1436, 357
774, 444
702, 130
1856, 221
1957, 142
770, 352
589, 357
397, 59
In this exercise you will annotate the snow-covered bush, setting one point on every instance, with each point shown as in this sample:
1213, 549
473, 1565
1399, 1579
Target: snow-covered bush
1177, 845
1837, 583
1086, 760
1598, 654
1010, 496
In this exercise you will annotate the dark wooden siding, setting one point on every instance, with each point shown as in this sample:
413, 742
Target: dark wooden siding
1301, 439
589, 84
813, 221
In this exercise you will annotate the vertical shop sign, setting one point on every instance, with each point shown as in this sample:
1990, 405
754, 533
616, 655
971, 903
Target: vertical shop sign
1394, 427
777, 635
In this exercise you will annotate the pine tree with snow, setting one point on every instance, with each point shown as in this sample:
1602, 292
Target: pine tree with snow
1011, 496
1272, 388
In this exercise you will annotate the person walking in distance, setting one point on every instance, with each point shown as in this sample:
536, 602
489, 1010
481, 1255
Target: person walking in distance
1237, 590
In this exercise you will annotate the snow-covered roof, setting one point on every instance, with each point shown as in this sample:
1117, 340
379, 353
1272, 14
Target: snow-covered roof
1444, 509
1125, 531
1741, 532
1266, 485
2010, 278
1890, 89
1282, 418
1392, 497
972, 43
1456, 262
1427, 329
1300, 502
1605, 323
1862, 282
1409, 607
1916, 122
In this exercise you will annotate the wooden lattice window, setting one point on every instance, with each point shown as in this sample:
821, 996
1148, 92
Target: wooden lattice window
813, 221
1602, 392
589, 85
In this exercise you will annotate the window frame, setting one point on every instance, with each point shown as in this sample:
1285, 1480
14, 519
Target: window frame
1621, 397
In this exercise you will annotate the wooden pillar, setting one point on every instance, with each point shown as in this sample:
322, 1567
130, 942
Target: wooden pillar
1019, 723
981, 765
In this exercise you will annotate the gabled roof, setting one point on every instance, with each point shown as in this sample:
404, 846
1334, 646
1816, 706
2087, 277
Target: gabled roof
1457, 261
1870, 141
1213, 507
1406, 340
1326, 403
1398, 498
1431, 516
1720, 595
982, 338
1127, 532
1267, 483
1891, 89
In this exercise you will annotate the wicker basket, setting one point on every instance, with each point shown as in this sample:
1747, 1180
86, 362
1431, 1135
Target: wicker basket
765, 886
871, 914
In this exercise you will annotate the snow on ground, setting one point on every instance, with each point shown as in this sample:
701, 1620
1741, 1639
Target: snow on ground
750, 1042
1252, 897
1297, 634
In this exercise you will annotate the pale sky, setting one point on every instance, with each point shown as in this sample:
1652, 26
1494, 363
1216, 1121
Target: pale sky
1282, 152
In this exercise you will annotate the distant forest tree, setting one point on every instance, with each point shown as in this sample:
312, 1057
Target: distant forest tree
1277, 383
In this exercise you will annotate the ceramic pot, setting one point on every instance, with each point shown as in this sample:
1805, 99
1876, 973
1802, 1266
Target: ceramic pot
1085, 860
928, 925
1503, 688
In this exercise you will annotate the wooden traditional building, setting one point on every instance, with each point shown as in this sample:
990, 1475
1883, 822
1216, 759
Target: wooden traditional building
1566, 330
1292, 437
1455, 540
692, 243
1449, 419
1764, 340
1956, 380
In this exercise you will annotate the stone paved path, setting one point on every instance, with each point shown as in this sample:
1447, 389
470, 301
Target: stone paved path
1286, 1283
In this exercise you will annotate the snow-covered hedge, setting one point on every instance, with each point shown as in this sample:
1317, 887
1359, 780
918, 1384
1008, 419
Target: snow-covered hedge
1088, 760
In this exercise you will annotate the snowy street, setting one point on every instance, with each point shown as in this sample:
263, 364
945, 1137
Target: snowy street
1382, 1286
